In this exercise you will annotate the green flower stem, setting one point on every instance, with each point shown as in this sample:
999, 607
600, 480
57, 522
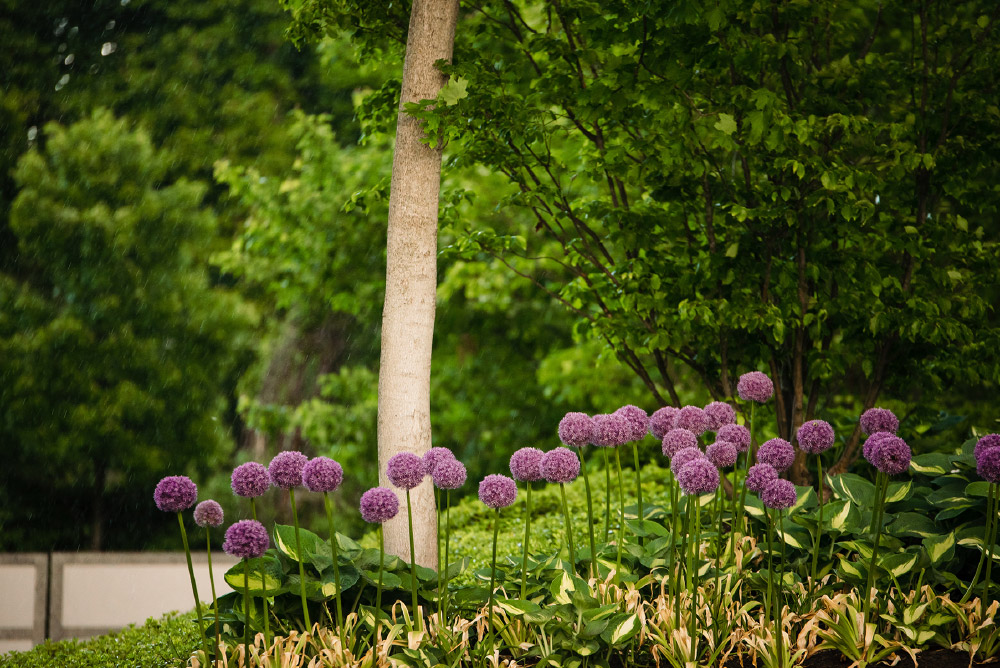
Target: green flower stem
438, 538
987, 532
413, 564
779, 605
720, 503
621, 523
819, 525
640, 510
211, 581
674, 562
751, 454
336, 559
527, 539
696, 562
447, 541
246, 611
686, 544
995, 494
569, 528
194, 585
263, 586
298, 552
590, 514
732, 514
607, 494
881, 485
493, 569
770, 573
378, 591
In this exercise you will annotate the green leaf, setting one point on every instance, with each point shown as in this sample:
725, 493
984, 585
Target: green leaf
931, 464
978, 488
315, 550
940, 548
516, 608
726, 124
562, 587
454, 90
899, 564
621, 629
912, 525
855, 488
898, 491
265, 573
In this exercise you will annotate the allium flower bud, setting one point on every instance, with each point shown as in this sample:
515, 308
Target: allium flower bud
635, 420
175, 493
875, 420
777, 452
526, 464
736, 434
678, 439
405, 470
435, 456
208, 514
250, 480
988, 465
722, 453
662, 421
779, 494
759, 477
755, 386
889, 454
693, 419
498, 491
378, 505
610, 431
698, 476
285, 470
684, 456
322, 474
560, 465
987, 442
246, 539
815, 436
576, 429
449, 474
719, 414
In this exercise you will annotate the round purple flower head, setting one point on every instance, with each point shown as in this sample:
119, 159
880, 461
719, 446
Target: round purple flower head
736, 434
285, 470
722, 453
526, 464
435, 456
777, 452
683, 457
449, 474
760, 476
250, 480
635, 420
175, 493
698, 476
693, 419
889, 454
755, 386
868, 449
576, 429
815, 436
379, 504
678, 439
322, 474
662, 421
208, 514
875, 420
560, 465
405, 470
498, 491
246, 539
610, 431
988, 465
987, 442
719, 414
779, 494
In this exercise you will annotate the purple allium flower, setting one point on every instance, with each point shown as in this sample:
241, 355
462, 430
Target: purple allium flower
635, 420
175, 493
250, 480
610, 431
736, 434
868, 448
815, 436
322, 474
683, 457
698, 476
755, 386
987, 442
435, 456
988, 465
678, 439
246, 539
719, 414
889, 454
779, 494
777, 452
498, 491
662, 421
449, 474
285, 470
875, 420
526, 464
379, 504
560, 465
759, 477
405, 470
693, 419
208, 514
576, 429
722, 453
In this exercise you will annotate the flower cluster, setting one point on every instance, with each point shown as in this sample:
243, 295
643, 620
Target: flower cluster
875, 420
634, 421
175, 493
560, 465
576, 429
888, 453
526, 464
322, 474
678, 439
662, 421
610, 431
755, 386
779, 494
777, 452
719, 414
815, 436
498, 491
246, 539
722, 453
378, 505
736, 434
435, 456
405, 470
693, 419
250, 480
208, 514
449, 474
683, 457
285, 469
698, 476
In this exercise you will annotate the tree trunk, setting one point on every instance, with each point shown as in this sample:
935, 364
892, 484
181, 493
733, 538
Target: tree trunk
411, 278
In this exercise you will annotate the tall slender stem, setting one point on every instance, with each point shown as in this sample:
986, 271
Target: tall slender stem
779, 605
378, 591
689, 565
263, 585
246, 611
751, 453
621, 522
194, 584
995, 493
987, 532
336, 559
413, 563
819, 525
527, 539
215, 600
590, 514
493, 571
640, 509
569, 527
447, 545
301, 560
674, 527
881, 484
607, 494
